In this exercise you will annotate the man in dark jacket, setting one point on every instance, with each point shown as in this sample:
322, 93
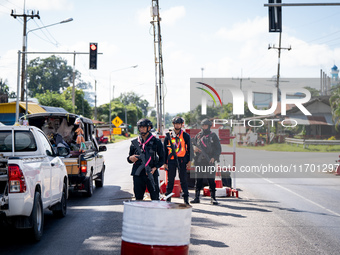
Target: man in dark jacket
154, 153
210, 143
177, 147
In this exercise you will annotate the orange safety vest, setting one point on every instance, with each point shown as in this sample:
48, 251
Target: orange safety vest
180, 147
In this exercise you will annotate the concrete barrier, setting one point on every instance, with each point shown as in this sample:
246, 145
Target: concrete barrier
156, 227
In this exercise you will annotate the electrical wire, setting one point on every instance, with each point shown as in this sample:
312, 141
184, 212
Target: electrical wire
318, 20
42, 30
46, 40
5, 7
13, 4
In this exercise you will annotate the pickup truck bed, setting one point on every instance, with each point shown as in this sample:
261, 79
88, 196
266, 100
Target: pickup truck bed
32, 178
83, 168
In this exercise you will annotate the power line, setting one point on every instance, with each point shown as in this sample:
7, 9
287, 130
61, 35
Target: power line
13, 4
56, 42
23, 64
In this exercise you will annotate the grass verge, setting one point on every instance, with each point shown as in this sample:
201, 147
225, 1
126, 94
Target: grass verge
119, 138
295, 148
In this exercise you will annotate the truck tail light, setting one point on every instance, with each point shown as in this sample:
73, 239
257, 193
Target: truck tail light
83, 166
16, 179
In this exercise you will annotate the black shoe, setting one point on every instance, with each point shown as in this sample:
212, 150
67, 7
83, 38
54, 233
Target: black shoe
195, 201
214, 201
186, 201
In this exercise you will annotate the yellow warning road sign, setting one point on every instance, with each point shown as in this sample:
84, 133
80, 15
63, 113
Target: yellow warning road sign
117, 121
117, 131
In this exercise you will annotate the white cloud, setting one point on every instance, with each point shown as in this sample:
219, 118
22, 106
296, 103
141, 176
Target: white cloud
47, 5
8, 65
171, 16
144, 16
245, 30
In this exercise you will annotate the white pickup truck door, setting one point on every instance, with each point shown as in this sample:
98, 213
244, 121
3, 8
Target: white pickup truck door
99, 157
46, 167
56, 165
45, 172
57, 178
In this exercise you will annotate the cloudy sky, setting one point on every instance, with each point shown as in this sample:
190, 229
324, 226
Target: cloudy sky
227, 38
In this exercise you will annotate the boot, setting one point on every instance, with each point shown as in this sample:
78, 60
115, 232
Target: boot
213, 198
197, 197
186, 201
169, 198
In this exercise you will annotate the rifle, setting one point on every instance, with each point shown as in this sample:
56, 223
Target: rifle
173, 149
145, 164
203, 152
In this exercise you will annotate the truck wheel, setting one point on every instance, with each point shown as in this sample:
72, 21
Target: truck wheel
62, 205
37, 217
100, 183
89, 186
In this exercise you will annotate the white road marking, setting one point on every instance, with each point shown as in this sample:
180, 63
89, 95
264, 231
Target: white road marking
306, 199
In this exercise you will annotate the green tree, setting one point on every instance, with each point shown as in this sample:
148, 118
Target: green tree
4, 91
335, 106
82, 107
132, 97
51, 74
314, 92
54, 99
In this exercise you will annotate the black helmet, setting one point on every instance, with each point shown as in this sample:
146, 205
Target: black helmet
178, 120
206, 122
144, 123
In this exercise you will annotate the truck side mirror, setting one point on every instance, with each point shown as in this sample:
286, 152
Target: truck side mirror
63, 151
102, 148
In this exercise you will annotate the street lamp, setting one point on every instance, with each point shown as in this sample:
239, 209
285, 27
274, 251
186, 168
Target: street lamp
135, 66
24, 58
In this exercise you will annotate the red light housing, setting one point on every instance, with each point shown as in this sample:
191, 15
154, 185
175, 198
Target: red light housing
16, 179
93, 47
83, 166
93, 55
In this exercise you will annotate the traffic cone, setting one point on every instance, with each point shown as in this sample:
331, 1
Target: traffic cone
218, 178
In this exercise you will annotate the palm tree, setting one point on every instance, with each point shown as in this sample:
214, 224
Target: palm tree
335, 106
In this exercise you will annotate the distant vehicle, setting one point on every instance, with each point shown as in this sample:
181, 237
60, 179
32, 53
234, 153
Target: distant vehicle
32, 178
83, 167
102, 139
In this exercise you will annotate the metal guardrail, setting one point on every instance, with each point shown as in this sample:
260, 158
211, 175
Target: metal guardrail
313, 142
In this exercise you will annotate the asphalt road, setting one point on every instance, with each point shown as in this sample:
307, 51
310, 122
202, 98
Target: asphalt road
282, 215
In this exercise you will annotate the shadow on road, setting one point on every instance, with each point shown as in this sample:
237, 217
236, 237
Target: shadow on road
211, 243
92, 226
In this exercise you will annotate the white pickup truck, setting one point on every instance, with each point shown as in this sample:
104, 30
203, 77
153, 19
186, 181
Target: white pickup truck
32, 178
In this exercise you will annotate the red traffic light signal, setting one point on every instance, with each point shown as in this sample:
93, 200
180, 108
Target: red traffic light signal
93, 55
93, 46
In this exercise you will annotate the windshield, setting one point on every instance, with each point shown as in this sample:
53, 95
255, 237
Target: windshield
23, 140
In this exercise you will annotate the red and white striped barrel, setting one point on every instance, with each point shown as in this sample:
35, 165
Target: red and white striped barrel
156, 227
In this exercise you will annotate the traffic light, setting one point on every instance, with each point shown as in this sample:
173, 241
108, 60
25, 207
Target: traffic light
275, 17
93, 55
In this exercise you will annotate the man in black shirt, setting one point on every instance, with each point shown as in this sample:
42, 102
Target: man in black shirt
210, 143
154, 154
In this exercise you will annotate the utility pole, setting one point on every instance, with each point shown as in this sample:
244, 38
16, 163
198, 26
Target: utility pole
241, 79
95, 99
23, 61
73, 82
159, 74
278, 64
